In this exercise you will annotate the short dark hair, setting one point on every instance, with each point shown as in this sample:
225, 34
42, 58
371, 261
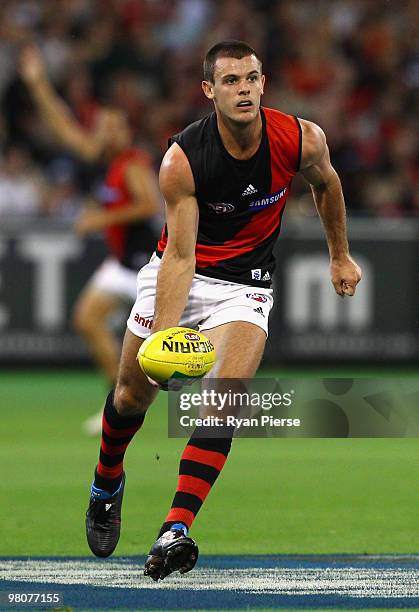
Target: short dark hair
227, 48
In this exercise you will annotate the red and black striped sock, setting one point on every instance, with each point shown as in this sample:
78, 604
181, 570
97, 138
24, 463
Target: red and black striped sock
117, 433
200, 464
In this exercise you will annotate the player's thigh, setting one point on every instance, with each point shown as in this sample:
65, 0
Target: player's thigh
239, 347
93, 307
133, 393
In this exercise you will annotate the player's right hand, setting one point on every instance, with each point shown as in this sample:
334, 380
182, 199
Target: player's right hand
172, 385
31, 65
346, 274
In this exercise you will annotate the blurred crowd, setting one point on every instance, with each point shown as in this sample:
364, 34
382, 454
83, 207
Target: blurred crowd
352, 66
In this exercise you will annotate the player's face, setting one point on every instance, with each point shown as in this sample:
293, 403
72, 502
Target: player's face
237, 88
112, 132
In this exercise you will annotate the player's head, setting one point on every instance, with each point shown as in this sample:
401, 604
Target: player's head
233, 79
112, 131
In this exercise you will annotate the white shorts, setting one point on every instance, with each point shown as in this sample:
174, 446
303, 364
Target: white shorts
211, 302
113, 278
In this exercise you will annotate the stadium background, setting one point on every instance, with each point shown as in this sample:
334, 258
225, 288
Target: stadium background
353, 67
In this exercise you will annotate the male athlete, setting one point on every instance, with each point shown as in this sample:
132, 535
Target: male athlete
225, 180
129, 199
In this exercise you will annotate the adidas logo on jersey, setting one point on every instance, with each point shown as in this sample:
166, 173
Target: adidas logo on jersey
266, 276
259, 311
250, 190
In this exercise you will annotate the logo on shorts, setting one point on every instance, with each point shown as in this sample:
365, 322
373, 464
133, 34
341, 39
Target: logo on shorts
266, 276
190, 336
256, 274
258, 297
259, 311
221, 208
143, 321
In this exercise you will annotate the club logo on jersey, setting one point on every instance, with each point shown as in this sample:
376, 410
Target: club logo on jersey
256, 274
258, 297
108, 194
269, 200
221, 208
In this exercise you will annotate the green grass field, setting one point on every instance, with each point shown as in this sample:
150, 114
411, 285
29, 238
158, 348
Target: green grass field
274, 496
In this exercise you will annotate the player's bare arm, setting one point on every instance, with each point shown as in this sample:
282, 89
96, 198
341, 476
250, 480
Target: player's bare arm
328, 197
178, 262
54, 111
144, 202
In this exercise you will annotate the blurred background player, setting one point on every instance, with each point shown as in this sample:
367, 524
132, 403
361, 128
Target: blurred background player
128, 202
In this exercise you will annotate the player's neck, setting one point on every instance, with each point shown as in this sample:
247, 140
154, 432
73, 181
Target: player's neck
240, 141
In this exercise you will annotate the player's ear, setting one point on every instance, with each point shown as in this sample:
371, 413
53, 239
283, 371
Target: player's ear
262, 78
208, 89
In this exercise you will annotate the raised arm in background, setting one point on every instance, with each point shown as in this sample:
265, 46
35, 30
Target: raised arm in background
52, 108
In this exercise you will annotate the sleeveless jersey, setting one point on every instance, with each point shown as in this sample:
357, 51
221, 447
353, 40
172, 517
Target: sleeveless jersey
241, 202
131, 243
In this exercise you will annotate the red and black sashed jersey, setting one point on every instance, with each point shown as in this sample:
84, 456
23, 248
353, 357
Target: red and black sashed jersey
241, 202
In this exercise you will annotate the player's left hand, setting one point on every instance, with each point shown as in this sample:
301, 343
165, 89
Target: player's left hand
346, 274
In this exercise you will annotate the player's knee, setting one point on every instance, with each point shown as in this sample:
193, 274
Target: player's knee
128, 401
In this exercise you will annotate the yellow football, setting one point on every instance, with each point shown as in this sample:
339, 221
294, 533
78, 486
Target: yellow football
177, 352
